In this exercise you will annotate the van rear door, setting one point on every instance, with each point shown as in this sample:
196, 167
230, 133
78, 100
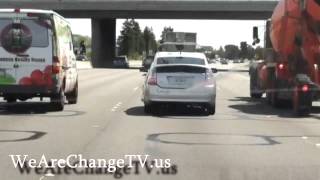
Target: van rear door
25, 49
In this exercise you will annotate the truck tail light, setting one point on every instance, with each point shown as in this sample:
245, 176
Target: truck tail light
281, 66
56, 67
152, 80
305, 88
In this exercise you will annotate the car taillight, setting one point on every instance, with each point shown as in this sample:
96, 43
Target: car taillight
208, 74
56, 67
305, 88
152, 80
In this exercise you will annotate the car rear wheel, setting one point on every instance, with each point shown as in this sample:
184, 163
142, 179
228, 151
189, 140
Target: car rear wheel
11, 100
57, 101
211, 109
147, 108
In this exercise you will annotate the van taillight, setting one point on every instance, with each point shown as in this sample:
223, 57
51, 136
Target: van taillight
56, 67
152, 80
305, 88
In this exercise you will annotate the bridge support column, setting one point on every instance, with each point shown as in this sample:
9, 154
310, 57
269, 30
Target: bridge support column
103, 42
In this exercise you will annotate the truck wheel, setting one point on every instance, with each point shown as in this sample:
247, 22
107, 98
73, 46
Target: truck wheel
301, 102
253, 85
72, 97
57, 101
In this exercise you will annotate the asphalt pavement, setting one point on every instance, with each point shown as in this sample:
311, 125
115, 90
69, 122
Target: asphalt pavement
246, 139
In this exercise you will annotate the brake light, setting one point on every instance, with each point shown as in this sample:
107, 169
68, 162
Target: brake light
209, 74
305, 88
281, 66
152, 80
56, 67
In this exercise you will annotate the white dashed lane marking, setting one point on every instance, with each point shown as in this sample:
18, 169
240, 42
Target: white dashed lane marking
114, 108
135, 89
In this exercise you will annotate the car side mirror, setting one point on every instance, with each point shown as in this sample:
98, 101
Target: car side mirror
214, 70
256, 39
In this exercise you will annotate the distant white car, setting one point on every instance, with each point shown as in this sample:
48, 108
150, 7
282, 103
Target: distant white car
180, 77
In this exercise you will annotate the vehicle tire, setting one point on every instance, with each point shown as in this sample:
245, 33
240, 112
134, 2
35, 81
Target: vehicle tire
256, 95
211, 109
254, 85
57, 101
72, 97
11, 100
301, 103
147, 108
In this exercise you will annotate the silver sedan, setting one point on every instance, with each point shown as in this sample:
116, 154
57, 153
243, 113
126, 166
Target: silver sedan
179, 77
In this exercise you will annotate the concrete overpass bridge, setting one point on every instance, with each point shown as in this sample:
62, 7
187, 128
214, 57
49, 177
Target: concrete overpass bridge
105, 12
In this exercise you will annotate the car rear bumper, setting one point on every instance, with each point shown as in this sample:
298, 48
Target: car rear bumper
18, 90
206, 94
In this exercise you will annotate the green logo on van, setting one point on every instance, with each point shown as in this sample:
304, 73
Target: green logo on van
6, 78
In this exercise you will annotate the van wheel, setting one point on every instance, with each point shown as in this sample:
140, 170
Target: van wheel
72, 97
57, 101
11, 100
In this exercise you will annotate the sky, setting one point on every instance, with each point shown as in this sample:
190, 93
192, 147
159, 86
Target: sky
213, 33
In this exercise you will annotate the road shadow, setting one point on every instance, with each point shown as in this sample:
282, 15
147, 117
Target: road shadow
260, 107
31, 135
34, 108
170, 110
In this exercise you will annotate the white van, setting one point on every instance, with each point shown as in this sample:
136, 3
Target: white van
37, 57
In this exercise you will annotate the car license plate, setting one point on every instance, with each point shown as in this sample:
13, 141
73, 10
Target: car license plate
177, 80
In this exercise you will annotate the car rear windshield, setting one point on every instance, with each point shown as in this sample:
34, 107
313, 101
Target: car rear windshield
184, 69
120, 59
25, 30
180, 60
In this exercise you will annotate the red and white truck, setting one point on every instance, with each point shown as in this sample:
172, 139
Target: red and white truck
290, 69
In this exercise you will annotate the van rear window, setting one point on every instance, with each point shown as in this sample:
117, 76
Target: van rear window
27, 31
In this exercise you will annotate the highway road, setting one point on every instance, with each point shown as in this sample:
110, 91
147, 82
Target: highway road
245, 140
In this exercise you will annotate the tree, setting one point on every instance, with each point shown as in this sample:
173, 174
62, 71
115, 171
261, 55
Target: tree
251, 52
149, 40
221, 52
243, 50
164, 32
259, 53
130, 41
232, 51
